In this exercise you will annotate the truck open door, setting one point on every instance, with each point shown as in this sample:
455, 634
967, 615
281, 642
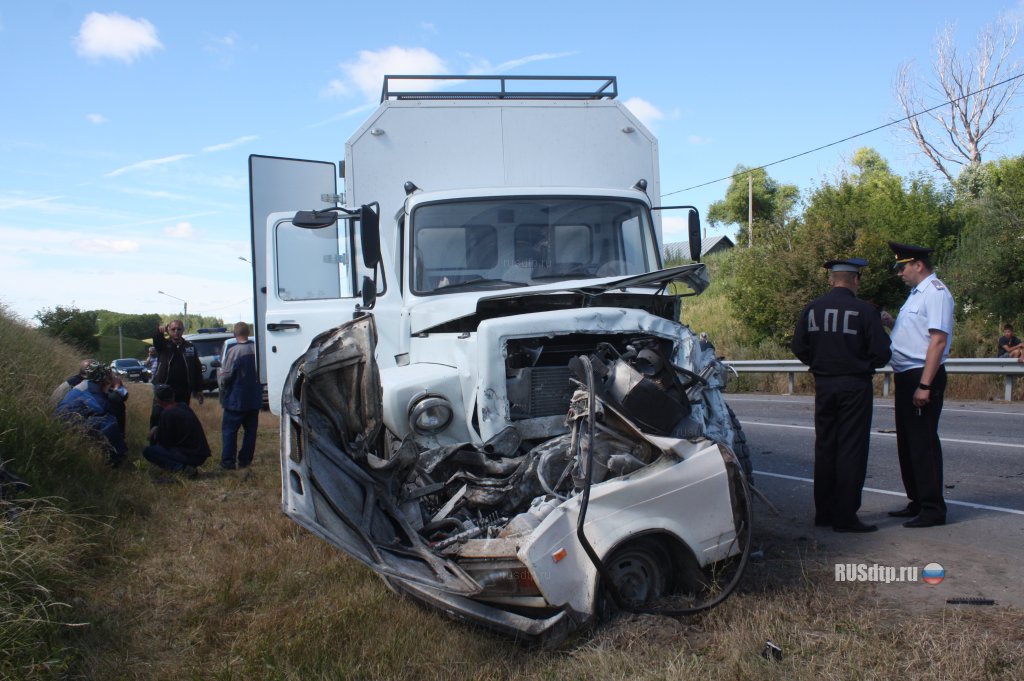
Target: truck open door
303, 278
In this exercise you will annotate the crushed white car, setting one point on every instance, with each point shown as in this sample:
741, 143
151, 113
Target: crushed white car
515, 426
639, 499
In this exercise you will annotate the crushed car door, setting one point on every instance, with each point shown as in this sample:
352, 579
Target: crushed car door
303, 279
350, 489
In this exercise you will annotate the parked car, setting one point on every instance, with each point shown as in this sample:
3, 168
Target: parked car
130, 369
208, 344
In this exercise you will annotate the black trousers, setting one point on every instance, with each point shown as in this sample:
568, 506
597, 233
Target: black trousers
842, 426
917, 441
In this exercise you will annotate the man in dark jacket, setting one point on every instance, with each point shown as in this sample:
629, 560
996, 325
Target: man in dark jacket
179, 443
843, 341
241, 395
178, 366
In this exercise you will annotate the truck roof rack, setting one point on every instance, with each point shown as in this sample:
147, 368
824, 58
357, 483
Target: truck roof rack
500, 87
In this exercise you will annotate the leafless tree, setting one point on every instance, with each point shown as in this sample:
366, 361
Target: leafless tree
958, 134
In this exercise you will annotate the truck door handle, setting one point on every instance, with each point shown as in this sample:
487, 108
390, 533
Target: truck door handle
282, 326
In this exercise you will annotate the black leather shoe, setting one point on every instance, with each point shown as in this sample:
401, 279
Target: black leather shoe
855, 526
924, 522
822, 522
908, 512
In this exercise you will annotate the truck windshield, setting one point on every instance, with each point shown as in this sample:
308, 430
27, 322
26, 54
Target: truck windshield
503, 243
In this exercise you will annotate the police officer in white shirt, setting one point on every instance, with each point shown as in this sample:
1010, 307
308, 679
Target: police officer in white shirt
921, 338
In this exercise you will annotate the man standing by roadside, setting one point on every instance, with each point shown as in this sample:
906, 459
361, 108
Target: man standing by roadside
178, 366
921, 337
841, 339
241, 395
152, 363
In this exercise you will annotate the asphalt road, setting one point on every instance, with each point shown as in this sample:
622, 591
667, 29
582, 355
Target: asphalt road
982, 545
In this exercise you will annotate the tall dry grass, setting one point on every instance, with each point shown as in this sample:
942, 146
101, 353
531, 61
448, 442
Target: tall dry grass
61, 528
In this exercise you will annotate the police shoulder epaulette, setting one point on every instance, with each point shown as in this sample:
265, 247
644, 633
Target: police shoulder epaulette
938, 284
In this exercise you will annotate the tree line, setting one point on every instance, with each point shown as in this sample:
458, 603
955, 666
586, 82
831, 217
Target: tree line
83, 328
974, 225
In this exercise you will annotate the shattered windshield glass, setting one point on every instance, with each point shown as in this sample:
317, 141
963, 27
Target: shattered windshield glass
491, 244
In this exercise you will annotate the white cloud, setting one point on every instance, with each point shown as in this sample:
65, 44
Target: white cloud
182, 230
644, 110
43, 267
335, 88
226, 42
485, 67
232, 143
428, 26
146, 165
361, 109
674, 228
367, 72
153, 194
106, 245
115, 36
97, 119
8, 202
699, 140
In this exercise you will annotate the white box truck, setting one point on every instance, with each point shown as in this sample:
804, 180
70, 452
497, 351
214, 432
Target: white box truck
486, 394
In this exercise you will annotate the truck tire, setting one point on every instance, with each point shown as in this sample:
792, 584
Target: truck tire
740, 446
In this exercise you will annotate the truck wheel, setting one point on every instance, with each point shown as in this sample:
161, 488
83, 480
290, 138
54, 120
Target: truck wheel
740, 446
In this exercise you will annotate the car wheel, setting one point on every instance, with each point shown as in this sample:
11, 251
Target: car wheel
641, 571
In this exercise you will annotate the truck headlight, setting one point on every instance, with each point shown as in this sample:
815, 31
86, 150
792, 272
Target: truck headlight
430, 414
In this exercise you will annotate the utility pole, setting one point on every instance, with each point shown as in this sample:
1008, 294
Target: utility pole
750, 210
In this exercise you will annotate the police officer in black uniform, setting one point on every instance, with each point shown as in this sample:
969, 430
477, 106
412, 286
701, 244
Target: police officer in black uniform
842, 340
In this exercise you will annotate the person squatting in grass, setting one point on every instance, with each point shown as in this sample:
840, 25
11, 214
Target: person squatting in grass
841, 339
241, 396
178, 442
97, 402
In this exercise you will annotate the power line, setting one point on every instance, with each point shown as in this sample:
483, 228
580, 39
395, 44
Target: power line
847, 139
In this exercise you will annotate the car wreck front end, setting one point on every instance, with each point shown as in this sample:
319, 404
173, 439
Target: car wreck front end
535, 525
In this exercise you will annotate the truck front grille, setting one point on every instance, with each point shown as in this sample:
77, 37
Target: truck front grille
550, 391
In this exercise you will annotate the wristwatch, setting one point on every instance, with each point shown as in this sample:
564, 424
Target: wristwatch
924, 386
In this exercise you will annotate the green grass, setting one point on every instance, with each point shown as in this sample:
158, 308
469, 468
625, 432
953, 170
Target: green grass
111, 348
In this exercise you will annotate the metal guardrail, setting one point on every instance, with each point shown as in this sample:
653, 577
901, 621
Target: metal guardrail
1008, 367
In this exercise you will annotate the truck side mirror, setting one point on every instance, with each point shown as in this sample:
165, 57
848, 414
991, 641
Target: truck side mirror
369, 230
308, 219
693, 227
369, 293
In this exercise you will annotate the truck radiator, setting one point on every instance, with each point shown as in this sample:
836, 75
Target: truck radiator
539, 391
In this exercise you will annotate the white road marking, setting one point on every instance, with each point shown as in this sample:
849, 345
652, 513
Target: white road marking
745, 423
809, 401
899, 494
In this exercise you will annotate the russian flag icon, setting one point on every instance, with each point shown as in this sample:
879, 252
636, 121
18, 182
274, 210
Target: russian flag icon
933, 573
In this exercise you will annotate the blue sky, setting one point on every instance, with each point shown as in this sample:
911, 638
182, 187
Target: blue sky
126, 127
